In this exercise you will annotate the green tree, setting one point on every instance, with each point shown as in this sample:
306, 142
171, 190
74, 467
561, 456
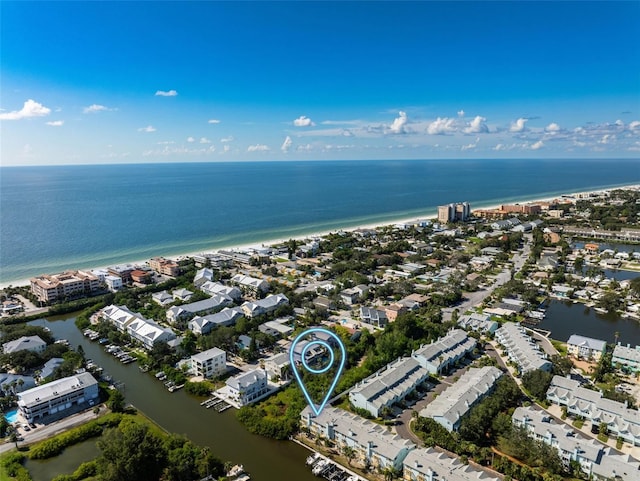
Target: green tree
116, 401
348, 453
131, 451
537, 382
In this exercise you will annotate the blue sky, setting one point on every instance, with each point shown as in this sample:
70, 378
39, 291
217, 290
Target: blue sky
105, 82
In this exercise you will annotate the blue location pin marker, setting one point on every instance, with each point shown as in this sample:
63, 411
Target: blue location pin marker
325, 344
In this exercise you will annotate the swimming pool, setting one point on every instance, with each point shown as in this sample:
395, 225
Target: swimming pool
12, 416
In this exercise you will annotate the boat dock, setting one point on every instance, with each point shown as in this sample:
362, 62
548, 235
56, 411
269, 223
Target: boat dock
216, 403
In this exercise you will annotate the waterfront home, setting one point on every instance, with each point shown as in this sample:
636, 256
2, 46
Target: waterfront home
114, 283
456, 401
61, 398
388, 386
373, 316
626, 357
247, 387
68, 284
374, 445
215, 288
203, 275
521, 349
25, 343
226, 317
264, 306
620, 420
443, 353
250, 284
146, 331
165, 266
208, 364
586, 347
595, 459
478, 322
561, 292
278, 367
163, 298
547, 262
431, 464
205, 306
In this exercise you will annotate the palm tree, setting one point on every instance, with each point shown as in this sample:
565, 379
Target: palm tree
13, 437
389, 473
348, 452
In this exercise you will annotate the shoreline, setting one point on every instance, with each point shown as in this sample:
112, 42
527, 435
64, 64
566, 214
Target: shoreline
312, 234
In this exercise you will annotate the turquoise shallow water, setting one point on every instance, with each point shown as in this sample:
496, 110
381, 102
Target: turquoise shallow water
53, 218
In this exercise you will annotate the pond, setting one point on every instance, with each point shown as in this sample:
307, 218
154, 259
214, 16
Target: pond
65, 463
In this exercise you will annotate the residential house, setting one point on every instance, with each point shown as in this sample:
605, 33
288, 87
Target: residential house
114, 283
456, 401
275, 329
215, 288
61, 397
478, 322
373, 316
278, 367
15, 383
394, 310
264, 306
626, 357
431, 464
443, 353
247, 387
208, 364
325, 303
621, 421
182, 294
203, 275
226, 317
163, 298
596, 460
146, 331
388, 386
373, 444
586, 347
250, 284
49, 368
25, 343
205, 306
521, 349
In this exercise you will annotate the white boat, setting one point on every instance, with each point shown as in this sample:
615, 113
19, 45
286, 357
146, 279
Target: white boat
318, 468
236, 470
313, 458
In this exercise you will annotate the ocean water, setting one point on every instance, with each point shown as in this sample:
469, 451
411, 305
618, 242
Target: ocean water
58, 217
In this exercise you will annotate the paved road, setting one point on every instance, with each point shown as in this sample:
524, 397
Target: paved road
50, 430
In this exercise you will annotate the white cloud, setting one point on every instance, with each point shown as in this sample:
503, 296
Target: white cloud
148, 128
552, 127
213, 121
190, 139
227, 139
303, 121
286, 145
607, 139
460, 113
204, 140
166, 93
519, 125
31, 108
441, 126
397, 127
539, 144
471, 146
258, 148
634, 125
226, 148
476, 126
166, 142
56, 123
94, 108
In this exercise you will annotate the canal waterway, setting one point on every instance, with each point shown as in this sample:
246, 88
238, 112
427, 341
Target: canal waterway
566, 318
178, 412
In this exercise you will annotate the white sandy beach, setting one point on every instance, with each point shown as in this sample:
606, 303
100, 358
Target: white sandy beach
269, 242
